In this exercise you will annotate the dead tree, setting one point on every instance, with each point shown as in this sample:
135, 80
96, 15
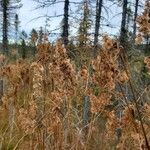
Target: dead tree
99, 4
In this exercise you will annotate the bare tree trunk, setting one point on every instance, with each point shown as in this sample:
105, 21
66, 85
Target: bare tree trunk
4, 5
12, 114
5, 25
135, 17
1, 91
86, 115
65, 32
99, 4
1, 86
123, 22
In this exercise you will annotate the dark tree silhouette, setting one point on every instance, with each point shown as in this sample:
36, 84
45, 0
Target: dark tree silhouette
99, 4
65, 26
7, 8
123, 31
135, 17
16, 23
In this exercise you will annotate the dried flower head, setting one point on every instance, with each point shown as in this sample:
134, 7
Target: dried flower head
106, 73
2, 58
147, 62
139, 39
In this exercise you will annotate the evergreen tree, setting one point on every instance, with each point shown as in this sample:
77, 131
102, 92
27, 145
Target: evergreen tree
34, 38
16, 23
40, 35
7, 8
85, 25
23, 44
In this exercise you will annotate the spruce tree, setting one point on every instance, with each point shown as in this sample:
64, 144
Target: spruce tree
7, 8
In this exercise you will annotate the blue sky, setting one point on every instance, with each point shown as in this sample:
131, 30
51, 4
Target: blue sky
28, 12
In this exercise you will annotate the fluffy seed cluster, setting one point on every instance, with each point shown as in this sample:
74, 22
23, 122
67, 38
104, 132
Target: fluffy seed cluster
147, 62
38, 71
106, 74
144, 24
27, 118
